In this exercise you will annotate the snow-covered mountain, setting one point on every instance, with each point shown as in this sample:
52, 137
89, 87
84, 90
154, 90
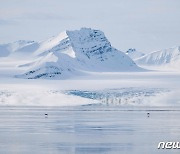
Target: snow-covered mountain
73, 52
167, 58
21, 48
134, 54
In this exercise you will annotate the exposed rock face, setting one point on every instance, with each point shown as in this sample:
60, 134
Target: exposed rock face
134, 54
73, 52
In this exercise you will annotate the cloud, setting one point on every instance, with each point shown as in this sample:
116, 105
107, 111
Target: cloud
44, 16
6, 22
6, 13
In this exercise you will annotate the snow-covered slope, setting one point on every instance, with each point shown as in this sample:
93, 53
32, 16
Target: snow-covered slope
19, 48
73, 52
167, 58
134, 54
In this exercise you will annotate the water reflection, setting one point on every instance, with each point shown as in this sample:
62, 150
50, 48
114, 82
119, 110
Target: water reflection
86, 129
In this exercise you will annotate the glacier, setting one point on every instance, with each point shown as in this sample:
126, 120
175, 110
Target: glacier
84, 61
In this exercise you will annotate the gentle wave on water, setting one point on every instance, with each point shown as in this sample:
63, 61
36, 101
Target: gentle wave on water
87, 129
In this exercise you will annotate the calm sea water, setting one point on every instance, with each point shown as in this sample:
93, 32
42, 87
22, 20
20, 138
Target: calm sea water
87, 130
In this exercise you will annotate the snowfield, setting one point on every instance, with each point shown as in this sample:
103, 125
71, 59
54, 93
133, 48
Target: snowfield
167, 59
82, 68
69, 54
108, 89
134, 54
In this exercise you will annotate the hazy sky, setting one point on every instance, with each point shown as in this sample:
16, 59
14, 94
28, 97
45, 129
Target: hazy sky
146, 25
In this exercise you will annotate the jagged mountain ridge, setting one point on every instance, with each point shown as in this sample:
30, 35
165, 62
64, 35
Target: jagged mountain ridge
73, 52
86, 40
134, 54
163, 58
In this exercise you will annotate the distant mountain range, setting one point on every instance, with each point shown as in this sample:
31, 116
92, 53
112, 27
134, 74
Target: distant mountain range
134, 54
73, 53
168, 59
69, 53
21, 47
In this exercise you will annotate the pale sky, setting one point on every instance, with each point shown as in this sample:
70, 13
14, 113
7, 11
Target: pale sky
146, 25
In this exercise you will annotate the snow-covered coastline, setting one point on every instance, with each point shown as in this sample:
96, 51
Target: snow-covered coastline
46, 74
137, 89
